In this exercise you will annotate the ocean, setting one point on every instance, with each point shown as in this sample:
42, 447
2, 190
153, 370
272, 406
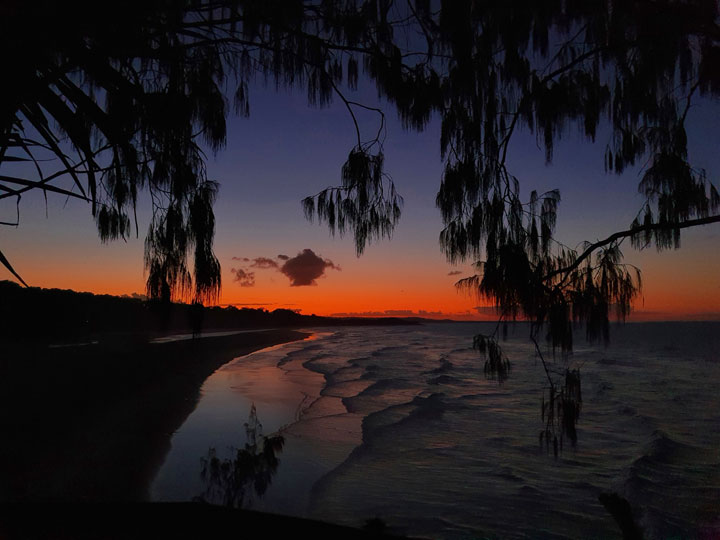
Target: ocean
400, 427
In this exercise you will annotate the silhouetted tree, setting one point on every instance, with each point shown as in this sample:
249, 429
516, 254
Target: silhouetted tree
123, 93
231, 482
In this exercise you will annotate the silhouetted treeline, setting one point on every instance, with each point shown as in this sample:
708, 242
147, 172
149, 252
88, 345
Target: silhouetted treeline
62, 315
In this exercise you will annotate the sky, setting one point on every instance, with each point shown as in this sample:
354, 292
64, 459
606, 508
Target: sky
272, 257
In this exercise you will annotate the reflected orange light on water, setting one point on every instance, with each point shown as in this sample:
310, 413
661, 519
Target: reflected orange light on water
259, 378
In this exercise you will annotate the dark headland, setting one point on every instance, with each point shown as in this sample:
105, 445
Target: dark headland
88, 406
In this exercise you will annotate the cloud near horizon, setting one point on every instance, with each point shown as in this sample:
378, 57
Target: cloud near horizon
392, 313
263, 263
243, 277
302, 270
476, 315
454, 273
306, 267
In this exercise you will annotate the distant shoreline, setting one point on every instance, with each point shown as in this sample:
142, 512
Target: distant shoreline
62, 317
94, 423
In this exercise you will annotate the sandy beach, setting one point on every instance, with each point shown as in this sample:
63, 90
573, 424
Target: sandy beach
94, 422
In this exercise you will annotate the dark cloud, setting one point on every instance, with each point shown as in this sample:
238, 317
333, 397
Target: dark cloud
243, 277
424, 313
263, 263
454, 273
305, 268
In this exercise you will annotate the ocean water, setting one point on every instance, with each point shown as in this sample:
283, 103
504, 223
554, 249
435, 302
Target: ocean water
401, 424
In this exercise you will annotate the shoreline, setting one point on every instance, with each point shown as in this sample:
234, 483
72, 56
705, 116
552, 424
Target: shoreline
277, 383
94, 423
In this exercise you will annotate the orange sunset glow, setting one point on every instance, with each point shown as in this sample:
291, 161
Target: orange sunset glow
381, 283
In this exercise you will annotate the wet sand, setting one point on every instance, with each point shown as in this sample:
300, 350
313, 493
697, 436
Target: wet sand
94, 422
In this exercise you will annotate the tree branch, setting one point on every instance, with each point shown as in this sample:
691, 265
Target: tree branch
630, 232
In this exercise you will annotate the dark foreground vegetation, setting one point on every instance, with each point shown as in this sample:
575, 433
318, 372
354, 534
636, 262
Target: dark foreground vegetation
67, 316
160, 520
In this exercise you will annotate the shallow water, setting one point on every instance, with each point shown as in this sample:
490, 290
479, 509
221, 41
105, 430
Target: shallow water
400, 423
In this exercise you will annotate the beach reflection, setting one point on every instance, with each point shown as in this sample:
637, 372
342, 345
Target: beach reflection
233, 482
283, 392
